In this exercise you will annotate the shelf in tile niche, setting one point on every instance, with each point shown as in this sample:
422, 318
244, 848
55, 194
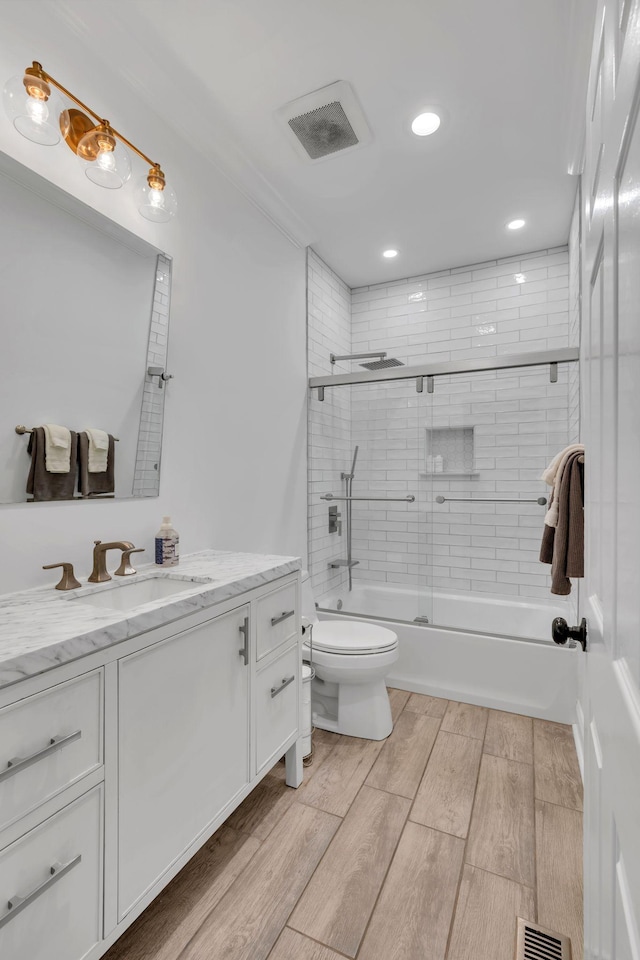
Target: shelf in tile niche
456, 447
446, 473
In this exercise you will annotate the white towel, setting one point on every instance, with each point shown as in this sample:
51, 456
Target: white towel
98, 450
57, 448
552, 476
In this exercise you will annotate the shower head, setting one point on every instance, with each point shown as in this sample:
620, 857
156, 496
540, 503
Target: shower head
383, 364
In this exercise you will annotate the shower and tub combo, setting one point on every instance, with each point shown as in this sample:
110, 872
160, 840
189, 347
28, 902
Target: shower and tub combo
443, 521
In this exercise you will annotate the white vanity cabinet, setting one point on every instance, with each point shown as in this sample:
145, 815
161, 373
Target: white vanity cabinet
156, 740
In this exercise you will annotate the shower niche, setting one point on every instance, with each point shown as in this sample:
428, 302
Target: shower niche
450, 452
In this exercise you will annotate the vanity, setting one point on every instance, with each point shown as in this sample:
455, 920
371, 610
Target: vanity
131, 725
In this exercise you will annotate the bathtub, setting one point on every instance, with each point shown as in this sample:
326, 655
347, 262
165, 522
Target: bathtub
494, 651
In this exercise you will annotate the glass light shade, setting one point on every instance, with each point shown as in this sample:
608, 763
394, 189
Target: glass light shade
36, 118
159, 206
104, 159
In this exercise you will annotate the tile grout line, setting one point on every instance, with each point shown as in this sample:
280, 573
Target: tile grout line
317, 866
395, 850
466, 845
535, 826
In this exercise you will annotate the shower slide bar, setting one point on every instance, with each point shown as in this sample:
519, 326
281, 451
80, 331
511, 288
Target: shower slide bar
541, 500
330, 496
450, 368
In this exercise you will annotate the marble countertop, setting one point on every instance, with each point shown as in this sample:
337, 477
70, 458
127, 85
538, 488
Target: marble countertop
43, 628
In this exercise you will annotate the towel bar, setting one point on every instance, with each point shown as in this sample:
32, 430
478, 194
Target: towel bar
409, 499
541, 500
20, 429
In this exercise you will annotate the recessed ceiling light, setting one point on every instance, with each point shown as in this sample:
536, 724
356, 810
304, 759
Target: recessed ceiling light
425, 124
389, 254
516, 224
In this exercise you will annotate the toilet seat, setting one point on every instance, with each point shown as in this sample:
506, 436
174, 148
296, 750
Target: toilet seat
352, 637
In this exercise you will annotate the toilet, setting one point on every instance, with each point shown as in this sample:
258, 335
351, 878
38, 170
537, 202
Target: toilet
351, 660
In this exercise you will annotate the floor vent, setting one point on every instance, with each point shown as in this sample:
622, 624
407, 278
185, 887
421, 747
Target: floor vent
538, 943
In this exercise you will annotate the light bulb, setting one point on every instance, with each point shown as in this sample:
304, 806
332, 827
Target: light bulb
106, 160
37, 110
34, 108
155, 199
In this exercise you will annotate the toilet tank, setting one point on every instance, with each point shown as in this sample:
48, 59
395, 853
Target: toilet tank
308, 607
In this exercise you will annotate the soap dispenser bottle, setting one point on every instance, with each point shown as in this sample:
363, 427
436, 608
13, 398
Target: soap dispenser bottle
167, 544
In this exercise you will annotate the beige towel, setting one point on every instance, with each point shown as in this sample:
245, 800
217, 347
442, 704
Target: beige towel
563, 546
57, 448
98, 449
553, 477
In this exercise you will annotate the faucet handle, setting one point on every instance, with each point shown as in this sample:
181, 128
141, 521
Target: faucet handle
126, 569
68, 580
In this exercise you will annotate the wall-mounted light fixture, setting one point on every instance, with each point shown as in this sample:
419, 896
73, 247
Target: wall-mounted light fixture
40, 114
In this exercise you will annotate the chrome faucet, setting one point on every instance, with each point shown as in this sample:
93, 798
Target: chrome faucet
99, 573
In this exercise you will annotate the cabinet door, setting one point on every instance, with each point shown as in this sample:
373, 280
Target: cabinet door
183, 746
52, 877
277, 706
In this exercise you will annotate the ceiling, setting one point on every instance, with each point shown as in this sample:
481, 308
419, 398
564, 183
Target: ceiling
502, 72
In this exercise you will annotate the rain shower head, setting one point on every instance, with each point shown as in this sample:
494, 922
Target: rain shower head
383, 364
380, 364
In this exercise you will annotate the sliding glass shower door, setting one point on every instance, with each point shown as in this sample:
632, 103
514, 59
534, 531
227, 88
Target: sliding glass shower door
488, 438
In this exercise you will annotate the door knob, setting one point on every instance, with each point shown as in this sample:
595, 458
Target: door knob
562, 632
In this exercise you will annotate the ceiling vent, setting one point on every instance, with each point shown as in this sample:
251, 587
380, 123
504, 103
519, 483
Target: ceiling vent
325, 122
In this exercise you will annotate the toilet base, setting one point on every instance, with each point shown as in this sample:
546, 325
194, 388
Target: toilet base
353, 709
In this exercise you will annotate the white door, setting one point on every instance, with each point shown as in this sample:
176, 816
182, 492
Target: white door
611, 430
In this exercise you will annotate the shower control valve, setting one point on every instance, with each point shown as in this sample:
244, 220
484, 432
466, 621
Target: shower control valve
335, 523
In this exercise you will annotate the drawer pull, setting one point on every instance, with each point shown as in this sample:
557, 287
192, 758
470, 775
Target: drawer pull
283, 616
244, 649
285, 683
57, 870
20, 763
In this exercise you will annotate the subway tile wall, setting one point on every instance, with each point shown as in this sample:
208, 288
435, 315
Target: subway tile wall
518, 422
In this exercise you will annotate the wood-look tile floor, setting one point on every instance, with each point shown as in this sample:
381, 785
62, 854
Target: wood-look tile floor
426, 846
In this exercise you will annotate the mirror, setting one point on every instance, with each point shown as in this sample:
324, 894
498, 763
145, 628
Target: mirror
84, 308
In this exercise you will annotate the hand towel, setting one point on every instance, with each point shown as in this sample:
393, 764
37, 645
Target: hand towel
98, 450
95, 484
57, 448
41, 483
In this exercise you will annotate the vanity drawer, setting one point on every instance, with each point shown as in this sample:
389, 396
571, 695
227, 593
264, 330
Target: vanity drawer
277, 706
47, 742
276, 619
52, 877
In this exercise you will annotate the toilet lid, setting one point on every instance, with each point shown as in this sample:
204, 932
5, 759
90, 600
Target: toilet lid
351, 636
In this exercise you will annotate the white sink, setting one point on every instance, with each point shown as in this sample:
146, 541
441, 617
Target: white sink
129, 594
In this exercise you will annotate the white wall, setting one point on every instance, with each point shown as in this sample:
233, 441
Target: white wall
233, 465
